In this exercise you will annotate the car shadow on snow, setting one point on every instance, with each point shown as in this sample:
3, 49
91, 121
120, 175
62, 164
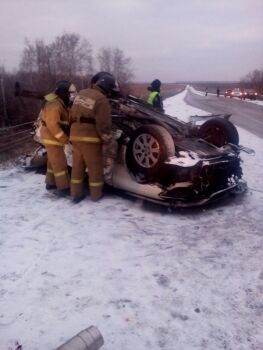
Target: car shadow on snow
227, 201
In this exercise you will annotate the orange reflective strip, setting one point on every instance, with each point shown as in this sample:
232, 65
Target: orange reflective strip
60, 173
51, 142
50, 171
96, 184
85, 139
76, 181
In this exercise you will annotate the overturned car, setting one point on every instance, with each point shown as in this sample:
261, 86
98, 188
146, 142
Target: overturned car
162, 159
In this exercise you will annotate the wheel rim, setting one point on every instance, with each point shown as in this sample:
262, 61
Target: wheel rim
146, 150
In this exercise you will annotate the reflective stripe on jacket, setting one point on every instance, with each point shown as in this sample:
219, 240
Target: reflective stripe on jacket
54, 117
152, 96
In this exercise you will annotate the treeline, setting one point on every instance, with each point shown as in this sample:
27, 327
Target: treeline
253, 80
69, 57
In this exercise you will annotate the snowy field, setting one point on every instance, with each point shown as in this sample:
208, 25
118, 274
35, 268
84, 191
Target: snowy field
147, 278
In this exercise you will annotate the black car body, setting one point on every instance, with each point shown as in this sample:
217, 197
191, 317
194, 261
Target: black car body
177, 162
250, 94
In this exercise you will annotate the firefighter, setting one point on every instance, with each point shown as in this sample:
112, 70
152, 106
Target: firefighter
54, 135
90, 131
154, 98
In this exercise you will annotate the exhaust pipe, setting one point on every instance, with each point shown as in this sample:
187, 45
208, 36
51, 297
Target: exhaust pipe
88, 339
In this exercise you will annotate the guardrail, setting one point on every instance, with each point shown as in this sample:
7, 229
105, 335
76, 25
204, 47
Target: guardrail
14, 136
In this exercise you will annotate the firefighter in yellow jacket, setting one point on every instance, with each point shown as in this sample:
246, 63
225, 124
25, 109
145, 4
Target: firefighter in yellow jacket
54, 135
90, 129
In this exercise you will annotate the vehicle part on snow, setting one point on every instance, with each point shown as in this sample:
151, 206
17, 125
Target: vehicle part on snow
148, 148
219, 132
37, 160
88, 339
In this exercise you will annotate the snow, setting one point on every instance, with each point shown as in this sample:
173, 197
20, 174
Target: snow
175, 106
146, 277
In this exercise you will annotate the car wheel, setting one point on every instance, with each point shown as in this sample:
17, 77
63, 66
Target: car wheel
148, 148
219, 132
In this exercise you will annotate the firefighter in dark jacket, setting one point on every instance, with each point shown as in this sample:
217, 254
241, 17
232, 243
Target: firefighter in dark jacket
154, 98
90, 130
54, 135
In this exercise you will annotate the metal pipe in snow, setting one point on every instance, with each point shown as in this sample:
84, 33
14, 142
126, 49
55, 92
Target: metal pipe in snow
88, 339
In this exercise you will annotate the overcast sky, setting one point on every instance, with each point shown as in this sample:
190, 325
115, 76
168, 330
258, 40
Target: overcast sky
170, 39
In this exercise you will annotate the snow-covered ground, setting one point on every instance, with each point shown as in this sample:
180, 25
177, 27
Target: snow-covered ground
147, 278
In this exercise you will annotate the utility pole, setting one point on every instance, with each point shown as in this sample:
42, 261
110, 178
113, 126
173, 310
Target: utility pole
5, 119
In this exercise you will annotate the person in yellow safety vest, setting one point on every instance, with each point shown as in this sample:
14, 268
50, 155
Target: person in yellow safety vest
154, 98
54, 135
90, 130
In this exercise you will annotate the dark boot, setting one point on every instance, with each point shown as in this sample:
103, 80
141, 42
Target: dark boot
77, 199
50, 187
63, 193
95, 193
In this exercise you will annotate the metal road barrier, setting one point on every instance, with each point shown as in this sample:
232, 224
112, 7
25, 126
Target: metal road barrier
13, 136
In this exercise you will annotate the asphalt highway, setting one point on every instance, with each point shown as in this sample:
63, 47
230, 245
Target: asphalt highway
247, 115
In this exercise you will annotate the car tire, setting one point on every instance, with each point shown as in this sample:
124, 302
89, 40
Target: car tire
148, 147
219, 132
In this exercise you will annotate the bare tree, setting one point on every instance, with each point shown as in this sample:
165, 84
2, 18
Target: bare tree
114, 61
3, 111
71, 56
105, 59
67, 57
254, 80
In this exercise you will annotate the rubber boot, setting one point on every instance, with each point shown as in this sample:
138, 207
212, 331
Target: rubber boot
63, 193
78, 199
50, 187
95, 193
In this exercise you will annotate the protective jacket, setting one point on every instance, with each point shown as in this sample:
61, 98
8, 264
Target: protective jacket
155, 100
55, 119
90, 128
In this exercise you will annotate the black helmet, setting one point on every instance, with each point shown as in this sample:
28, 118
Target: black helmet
62, 86
105, 81
156, 84
97, 76
66, 91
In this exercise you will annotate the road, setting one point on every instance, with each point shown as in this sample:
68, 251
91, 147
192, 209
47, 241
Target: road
247, 115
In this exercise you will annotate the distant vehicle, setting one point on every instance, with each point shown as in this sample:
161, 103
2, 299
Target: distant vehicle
237, 93
228, 92
250, 93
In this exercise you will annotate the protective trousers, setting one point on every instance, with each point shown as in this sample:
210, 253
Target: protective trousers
57, 171
110, 151
87, 155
